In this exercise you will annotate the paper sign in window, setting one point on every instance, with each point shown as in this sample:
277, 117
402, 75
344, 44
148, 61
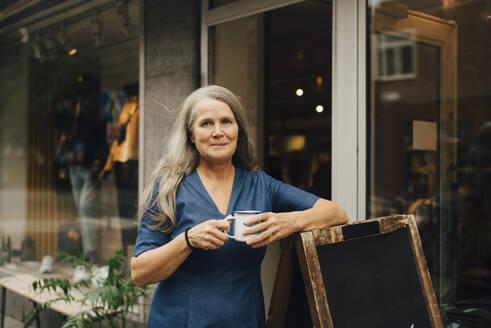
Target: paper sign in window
424, 135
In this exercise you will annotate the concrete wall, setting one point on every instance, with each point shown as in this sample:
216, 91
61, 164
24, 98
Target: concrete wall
172, 31
13, 140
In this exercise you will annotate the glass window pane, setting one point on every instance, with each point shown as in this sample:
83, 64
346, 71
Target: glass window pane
389, 55
407, 59
69, 145
430, 137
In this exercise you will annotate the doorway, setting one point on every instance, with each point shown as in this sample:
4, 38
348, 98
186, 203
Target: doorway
278, 61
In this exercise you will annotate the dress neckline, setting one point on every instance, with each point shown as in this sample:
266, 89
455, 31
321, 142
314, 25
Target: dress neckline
232, 196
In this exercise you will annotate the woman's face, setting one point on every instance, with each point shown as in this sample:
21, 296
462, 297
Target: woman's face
214, 130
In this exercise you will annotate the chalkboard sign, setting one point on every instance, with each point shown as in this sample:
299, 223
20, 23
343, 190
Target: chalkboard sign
369, 274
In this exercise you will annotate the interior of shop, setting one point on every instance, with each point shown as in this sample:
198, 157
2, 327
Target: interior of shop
76, 179
288, 109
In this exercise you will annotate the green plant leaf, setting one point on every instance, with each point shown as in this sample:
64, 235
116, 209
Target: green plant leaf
111, 302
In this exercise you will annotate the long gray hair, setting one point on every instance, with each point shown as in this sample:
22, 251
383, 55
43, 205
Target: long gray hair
181, 157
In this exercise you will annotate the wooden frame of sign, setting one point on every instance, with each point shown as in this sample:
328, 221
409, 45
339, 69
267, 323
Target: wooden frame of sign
352, 279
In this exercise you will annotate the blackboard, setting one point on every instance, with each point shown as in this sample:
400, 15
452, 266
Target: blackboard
370, 274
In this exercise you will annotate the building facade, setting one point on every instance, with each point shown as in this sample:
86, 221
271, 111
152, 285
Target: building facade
381, 106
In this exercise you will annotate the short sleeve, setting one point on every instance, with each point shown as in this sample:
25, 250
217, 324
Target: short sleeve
286, 198
148, 238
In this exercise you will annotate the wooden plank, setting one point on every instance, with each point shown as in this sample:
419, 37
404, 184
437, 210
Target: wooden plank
423, 274
312, 275
282, 287
22, 284
334, 234
394, 10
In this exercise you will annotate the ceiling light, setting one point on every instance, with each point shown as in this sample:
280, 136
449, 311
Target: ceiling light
299, 92
63, 40
24, 34
319, 109
486, 13
300, 54
38, 49
295, 143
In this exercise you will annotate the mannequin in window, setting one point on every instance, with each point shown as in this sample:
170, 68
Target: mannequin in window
86, 146
123, 158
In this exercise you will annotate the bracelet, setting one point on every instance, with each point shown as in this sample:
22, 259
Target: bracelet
187, 239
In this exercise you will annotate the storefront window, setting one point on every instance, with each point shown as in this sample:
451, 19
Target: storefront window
430, 135
69, 136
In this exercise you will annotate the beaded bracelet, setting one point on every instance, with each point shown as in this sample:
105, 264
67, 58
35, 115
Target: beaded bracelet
187, 239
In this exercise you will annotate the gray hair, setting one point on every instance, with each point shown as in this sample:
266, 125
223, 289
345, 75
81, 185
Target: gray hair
181, 157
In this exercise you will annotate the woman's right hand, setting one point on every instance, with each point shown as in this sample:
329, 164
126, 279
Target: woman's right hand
207, 235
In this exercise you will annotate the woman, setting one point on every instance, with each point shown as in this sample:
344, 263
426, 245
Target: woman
206, 173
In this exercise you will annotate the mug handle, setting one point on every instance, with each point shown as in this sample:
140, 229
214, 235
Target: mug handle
230, 218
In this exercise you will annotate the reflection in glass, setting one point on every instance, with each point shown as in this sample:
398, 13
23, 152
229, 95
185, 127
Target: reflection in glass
429, 110
69, 118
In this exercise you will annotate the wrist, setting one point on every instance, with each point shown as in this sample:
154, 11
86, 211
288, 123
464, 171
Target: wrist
296, 221
188, 242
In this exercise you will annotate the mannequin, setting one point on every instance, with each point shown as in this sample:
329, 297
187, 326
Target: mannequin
86, 148
123, 158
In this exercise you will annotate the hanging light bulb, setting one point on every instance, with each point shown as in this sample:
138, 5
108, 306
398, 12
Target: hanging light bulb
24, 35
299, 92
486, 13
319, 109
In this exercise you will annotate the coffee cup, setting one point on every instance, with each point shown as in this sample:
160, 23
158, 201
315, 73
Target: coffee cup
239, 218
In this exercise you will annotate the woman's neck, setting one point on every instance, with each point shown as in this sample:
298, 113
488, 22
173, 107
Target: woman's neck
216, 171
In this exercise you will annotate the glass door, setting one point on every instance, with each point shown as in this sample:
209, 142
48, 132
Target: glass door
413, 130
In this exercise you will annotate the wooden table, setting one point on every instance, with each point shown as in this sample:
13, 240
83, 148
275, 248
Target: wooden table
22, 284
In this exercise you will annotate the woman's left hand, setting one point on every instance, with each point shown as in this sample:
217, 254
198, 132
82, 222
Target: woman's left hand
272, 226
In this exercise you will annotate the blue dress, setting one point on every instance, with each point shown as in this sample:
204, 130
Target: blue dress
217, 288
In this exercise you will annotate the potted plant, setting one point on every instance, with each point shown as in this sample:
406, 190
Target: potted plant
110, 299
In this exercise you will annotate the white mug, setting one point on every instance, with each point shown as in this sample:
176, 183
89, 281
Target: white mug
239, 218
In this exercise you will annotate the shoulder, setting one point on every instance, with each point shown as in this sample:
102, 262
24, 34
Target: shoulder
256, 177
251, 174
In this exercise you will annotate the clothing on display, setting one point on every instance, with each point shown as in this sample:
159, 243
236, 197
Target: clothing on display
82, 149
123, 158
